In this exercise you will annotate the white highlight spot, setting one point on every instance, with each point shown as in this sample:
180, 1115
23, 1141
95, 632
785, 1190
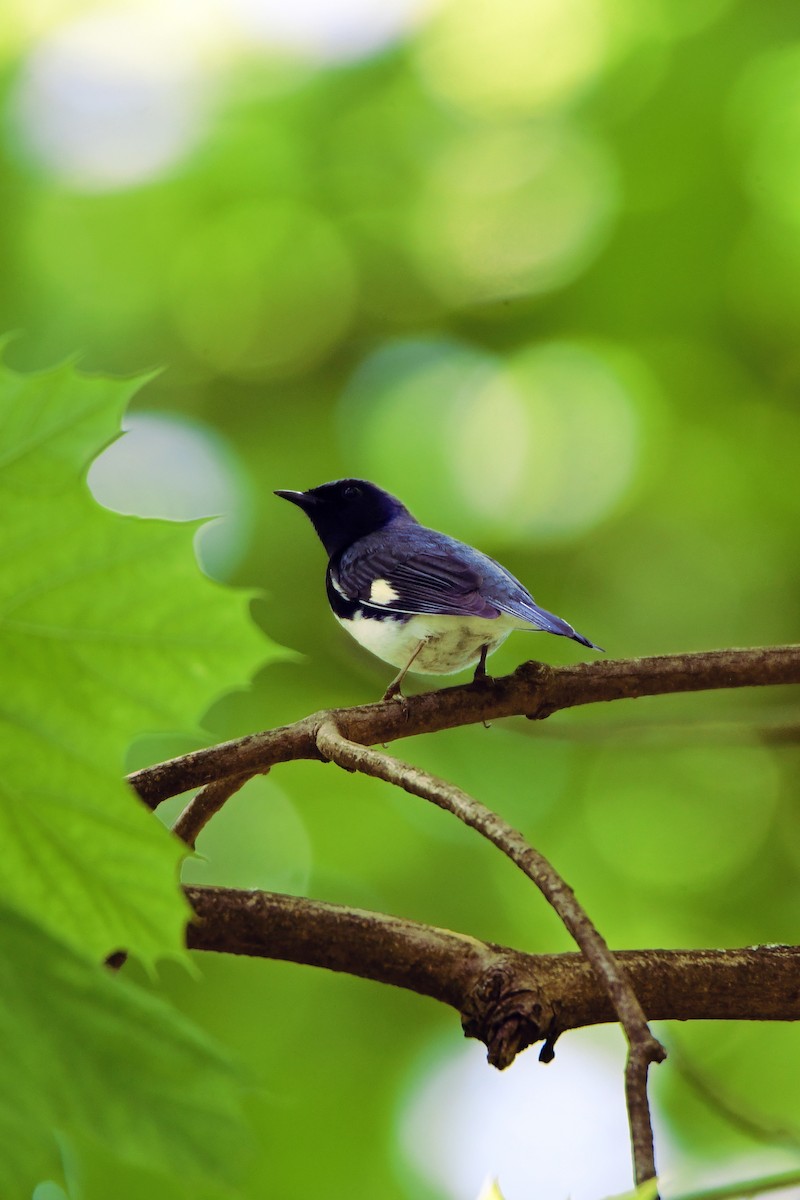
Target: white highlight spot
382, 592
119, 95
329, 32
169, 467
464, 1121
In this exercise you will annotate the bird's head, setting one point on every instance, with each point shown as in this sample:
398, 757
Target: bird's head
347, 509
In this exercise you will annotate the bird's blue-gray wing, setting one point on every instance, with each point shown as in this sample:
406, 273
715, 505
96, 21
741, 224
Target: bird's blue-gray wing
418, 570
420, 573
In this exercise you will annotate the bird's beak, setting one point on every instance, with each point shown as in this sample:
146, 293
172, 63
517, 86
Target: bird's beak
301, 499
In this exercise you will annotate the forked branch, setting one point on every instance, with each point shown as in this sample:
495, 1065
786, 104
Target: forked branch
643, 1048
533, 690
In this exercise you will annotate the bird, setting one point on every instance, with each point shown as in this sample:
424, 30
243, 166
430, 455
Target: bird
416, 598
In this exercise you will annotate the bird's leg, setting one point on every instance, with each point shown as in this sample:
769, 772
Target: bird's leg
393, 690
480, 670
480, 673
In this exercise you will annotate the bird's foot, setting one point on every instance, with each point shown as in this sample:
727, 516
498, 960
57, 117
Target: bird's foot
393, 693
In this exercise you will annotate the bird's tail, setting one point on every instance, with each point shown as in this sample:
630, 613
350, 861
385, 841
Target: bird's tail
550, 623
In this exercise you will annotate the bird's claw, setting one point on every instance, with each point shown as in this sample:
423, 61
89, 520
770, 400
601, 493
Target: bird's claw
393, 693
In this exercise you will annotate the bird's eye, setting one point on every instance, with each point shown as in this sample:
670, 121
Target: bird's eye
351, 491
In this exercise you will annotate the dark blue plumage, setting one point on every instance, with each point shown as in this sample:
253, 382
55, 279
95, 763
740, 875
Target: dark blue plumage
412, 595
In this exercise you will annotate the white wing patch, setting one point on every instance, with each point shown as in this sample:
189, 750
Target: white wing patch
382, 592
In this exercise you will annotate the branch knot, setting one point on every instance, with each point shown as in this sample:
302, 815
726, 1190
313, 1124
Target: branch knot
506, 1017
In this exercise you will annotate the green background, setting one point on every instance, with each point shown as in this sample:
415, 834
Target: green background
533, 267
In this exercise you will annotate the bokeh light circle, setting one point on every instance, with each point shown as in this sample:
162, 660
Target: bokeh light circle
513, 210
543, 445
462, 1121
584, 424
165, 465
513, 56
318, 29
116, 96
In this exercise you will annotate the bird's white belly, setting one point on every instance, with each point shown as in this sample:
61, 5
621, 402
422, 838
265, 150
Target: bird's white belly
449, 643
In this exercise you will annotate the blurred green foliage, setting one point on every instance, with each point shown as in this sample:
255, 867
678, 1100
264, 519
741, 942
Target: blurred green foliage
533, 266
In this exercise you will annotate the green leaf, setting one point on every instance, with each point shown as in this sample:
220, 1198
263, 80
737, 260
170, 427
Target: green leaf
92, 1056
108, 629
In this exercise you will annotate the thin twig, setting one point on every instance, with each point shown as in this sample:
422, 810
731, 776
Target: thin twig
735, 1111
534, 690
752, 1187
202, 807
637, 1102
643, 1047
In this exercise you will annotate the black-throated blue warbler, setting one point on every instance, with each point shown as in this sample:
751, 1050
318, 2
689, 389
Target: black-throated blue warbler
416, 598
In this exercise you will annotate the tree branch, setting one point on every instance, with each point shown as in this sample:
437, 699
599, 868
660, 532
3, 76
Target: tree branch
643, 1048
533, 690
506, 999
202, 807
